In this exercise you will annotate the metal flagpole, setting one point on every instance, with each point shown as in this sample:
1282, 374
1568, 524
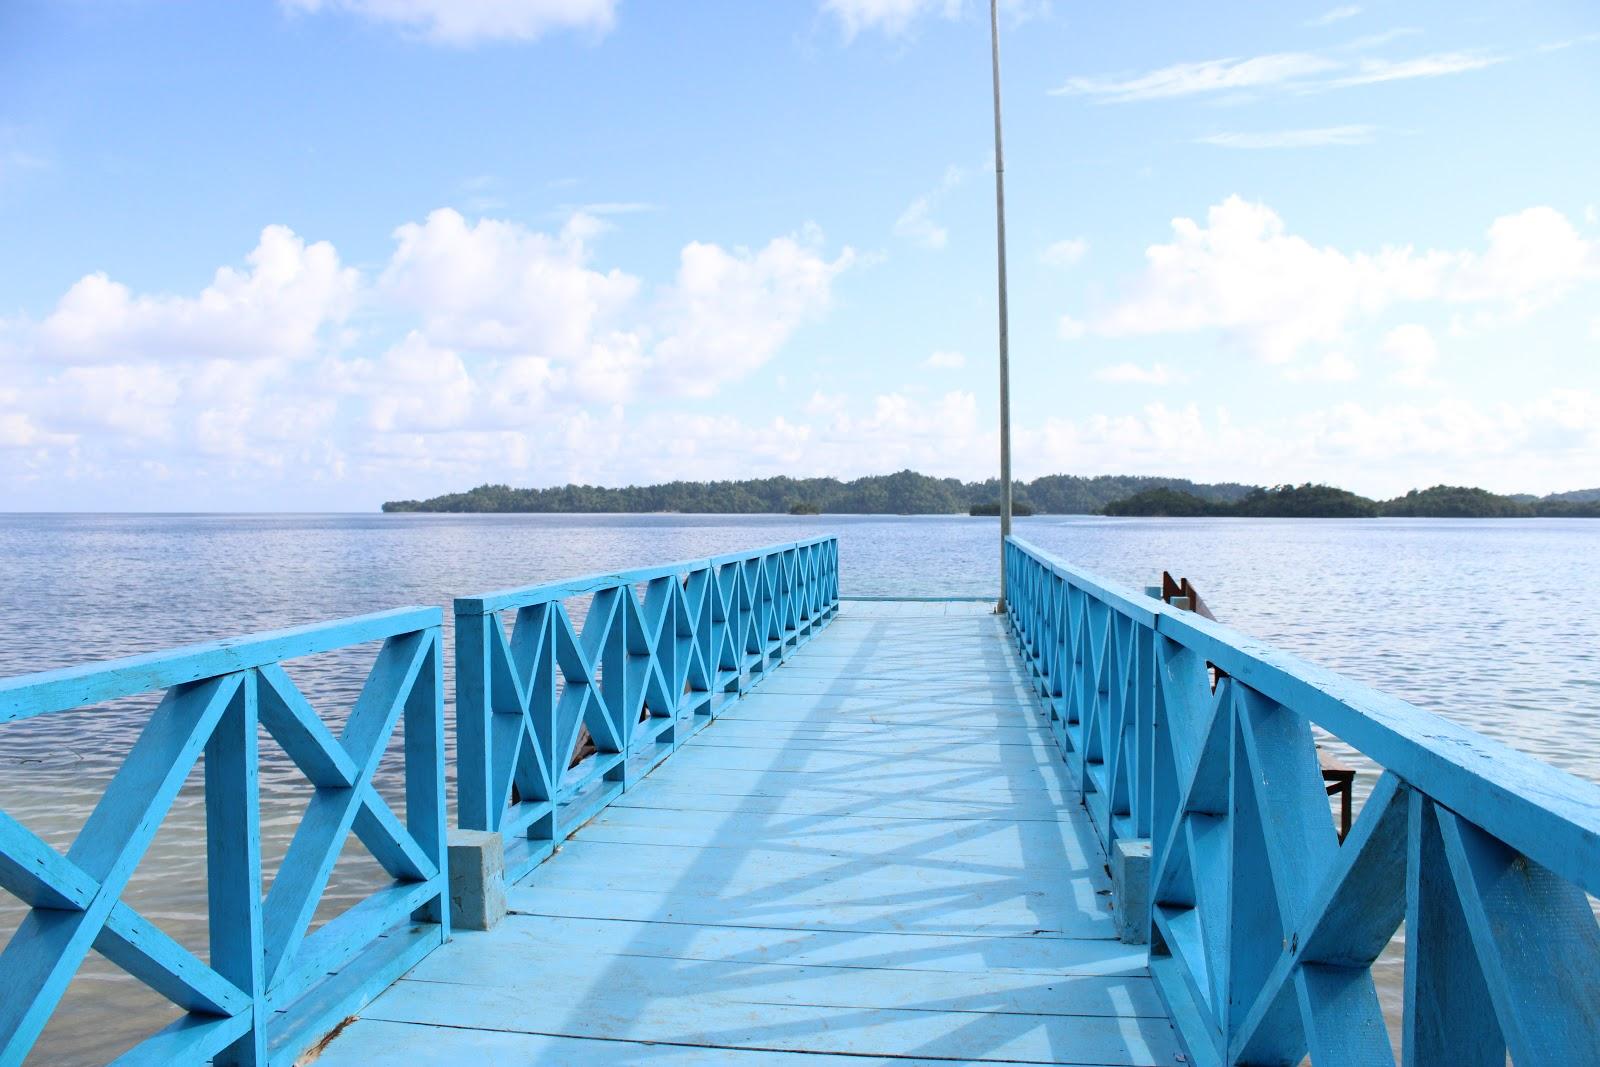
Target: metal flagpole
1005, 356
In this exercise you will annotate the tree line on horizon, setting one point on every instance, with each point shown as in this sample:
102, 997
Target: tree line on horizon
910, 493
1327, 502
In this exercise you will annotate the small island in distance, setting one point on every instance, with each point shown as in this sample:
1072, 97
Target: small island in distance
910, 493
1326, 502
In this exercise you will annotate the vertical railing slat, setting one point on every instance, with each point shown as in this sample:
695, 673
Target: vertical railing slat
702, 634
233, 866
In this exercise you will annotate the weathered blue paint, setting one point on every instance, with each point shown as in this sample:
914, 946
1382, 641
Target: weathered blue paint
269, 989
643, 658
853, 864
1265, 927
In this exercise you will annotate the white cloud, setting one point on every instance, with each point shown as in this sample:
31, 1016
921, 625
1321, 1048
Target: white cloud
1209, 76
826, 403
282, 307
1332, 367
499, 286
1067, 253
132, 400
1278, 71
894, 18
465, 22
561, 325
1243, 273
945, 361
1373, 71
834, 435
891, 17
16, 430
1135, 374
729, 312
1337, 14
1539, 445
1534, 258
943, 434
1313, 138
491, 351
1379, 449
480, 329
1374, 40
416, 386
1412, 353
916, 223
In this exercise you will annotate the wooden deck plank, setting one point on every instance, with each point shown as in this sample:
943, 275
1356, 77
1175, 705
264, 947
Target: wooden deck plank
1037, 844
370, 1041
801, 802
884, 709
939, 1030
834, 757
747, 733
538, 969
821, 948
876, 854
898, 780
987, 914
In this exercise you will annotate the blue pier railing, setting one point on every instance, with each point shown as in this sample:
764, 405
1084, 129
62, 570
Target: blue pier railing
1264, 927
640, 658
269, 988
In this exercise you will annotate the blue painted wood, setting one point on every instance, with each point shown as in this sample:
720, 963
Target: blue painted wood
95, 683
888, 892
373, 1041
641, 658
1265, 926
233, 869
262, 994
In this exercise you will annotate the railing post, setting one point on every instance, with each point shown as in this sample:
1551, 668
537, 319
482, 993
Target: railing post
476, 809
1450, 1016
424, 762
233, 866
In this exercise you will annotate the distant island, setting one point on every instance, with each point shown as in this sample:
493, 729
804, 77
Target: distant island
904, 493
1325, 502
910, 493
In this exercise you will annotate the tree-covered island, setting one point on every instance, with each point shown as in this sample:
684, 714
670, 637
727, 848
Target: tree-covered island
910, 493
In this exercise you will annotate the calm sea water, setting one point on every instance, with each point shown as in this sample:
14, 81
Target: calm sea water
1492, 623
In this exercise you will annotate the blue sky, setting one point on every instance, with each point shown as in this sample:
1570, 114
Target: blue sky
316, 254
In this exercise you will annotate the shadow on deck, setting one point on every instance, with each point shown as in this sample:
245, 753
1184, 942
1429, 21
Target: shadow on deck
877, 853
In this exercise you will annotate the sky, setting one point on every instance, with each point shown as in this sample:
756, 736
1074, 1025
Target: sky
318, 254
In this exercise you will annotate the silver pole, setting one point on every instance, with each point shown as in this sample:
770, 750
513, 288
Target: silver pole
1005, 356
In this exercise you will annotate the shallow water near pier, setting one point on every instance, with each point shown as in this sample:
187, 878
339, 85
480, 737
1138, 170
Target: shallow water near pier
1491, 623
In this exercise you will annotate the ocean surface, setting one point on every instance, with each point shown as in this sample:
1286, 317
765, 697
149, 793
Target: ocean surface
1492, 623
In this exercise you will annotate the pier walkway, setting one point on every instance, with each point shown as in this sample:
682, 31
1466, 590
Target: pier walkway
877, 852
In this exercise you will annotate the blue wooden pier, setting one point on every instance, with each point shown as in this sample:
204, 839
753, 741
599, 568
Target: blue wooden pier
744, 820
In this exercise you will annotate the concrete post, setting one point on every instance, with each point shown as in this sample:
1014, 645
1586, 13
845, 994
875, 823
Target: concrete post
1130, 875
477, 879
